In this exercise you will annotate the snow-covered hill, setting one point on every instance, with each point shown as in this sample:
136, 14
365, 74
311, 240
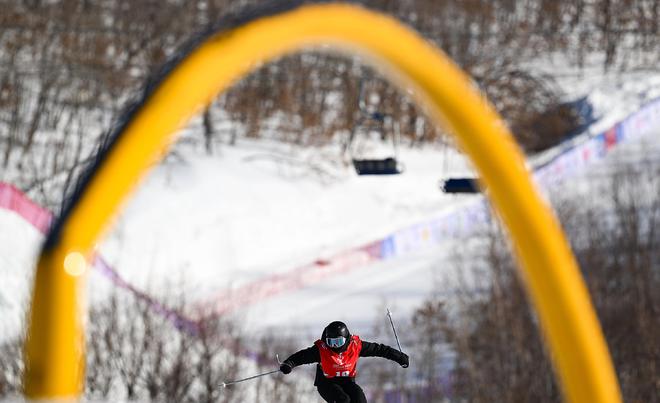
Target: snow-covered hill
204, 225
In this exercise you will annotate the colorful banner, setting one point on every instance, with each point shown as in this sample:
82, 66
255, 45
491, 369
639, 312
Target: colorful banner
14, 200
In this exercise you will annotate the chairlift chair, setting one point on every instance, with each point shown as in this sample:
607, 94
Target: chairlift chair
456, 185
376, 166
387, 166
460, 185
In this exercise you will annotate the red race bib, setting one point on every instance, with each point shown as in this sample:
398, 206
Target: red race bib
337, 365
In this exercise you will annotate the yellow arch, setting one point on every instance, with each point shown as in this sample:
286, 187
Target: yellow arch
54, 348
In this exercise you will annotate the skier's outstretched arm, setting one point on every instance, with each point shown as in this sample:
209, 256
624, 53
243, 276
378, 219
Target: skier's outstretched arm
307, 356
381, 350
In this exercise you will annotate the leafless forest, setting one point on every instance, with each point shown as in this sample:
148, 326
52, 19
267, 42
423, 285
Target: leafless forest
69, 67
494, 330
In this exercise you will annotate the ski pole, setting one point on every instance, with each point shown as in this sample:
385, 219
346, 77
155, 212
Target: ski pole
225, 384
389, 315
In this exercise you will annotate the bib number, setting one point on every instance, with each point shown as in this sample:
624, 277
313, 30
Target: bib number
343, 373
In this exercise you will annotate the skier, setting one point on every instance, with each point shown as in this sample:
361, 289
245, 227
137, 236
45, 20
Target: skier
337, 354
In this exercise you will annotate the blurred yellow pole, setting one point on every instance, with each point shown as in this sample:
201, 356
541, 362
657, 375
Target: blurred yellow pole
54, 345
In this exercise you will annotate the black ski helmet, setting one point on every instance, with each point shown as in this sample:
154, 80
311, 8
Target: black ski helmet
334, 332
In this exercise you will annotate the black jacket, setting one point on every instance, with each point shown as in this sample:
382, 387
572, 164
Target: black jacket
312, 355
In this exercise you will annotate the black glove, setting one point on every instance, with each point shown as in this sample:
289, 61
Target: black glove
402, 359
405, 360
286, 368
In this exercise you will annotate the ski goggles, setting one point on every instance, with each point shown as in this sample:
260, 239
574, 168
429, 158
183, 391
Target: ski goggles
335, 341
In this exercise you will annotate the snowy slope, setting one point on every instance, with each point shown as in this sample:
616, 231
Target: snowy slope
226, 220
202, 225
229, 221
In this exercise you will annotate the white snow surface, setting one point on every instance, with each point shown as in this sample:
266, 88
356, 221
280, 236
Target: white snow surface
221, 222
202, 225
